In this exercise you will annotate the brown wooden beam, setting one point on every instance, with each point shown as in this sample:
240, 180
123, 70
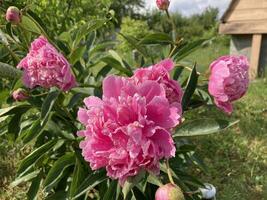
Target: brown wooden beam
255, 55
249, 27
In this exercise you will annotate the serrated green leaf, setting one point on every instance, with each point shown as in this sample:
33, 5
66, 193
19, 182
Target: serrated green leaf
55, 173
201, 127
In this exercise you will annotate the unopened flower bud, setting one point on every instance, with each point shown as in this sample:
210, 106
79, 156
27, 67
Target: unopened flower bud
169, 192
13, 15
163, 4
20, 95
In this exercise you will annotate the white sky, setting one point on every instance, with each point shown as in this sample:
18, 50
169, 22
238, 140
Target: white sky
188, 7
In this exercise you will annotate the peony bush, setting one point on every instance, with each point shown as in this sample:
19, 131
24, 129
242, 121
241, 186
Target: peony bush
101, 126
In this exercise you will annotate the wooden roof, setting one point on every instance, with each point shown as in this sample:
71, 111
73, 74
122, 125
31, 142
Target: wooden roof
245, 17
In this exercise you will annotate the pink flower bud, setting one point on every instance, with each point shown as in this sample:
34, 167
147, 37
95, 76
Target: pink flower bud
163, 4
13, 15
20, 95
228, 80
169, 192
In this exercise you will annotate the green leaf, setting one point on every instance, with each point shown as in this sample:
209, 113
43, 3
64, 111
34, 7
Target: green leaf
110, 193
29, 24
59, 195
154, 180
190, 88
78, 176
32, 158
112, 62
77, 54
177, 72
49, 103
202, 127
90, 182
135, 43
86, 29
57, 170
127, 187
25, 178
14, 109
7, 71
188, 48
157, 38
14, 124
37, 20
34, 188
35, 130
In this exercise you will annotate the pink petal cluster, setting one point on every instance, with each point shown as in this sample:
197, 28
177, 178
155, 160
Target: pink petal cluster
13, 15
20, 95
228, 81
163, 4
129, 129
44, 66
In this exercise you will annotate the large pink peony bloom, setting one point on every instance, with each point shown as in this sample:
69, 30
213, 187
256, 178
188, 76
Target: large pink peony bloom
228, 80
163, 4
129, 130
44, 66
160, 73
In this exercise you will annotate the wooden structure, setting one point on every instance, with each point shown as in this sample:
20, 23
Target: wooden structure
246, 22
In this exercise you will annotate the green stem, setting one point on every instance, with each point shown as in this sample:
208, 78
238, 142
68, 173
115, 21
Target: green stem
169, 172
174, 33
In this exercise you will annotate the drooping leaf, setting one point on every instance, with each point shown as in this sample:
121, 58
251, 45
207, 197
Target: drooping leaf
55, 173
190, 88
201, 127
127, 187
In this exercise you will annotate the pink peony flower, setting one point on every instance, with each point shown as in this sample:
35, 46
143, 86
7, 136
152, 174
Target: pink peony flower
160, 73
169, 192
44, 66
228, 80
163, 4
129, 130
13, 15
20, 95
